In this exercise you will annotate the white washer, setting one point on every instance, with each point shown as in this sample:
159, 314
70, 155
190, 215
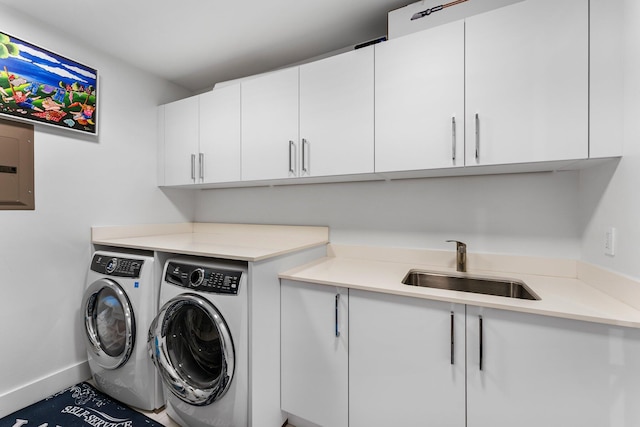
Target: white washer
119, 303
199, 343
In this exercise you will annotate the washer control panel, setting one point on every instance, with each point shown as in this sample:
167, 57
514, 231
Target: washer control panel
202, 278
116, 266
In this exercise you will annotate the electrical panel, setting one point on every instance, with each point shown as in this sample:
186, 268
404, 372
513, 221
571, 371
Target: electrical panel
16, 166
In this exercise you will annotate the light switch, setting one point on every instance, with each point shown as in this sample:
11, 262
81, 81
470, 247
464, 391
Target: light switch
610, 241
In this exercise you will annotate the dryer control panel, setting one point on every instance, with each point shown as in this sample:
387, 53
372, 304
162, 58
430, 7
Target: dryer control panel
203, 279
116, 266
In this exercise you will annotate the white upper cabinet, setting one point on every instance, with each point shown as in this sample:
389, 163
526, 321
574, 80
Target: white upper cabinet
419, 111
527, 83
270, 126
505, 87
181, 135
336, 114
200, 138
312, 120
219, 153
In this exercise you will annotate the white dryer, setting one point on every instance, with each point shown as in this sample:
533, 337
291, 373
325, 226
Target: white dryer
199, 343
119, 303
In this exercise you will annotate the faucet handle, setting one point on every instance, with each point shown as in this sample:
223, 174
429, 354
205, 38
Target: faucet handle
458, 243
461, 255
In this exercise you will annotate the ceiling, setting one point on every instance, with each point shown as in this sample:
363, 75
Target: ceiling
197, 43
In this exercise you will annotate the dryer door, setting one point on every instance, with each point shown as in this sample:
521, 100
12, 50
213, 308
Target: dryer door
109, 323
191, 346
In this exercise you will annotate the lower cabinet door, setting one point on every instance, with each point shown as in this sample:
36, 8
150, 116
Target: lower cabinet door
314, 344
406, 361
537, 371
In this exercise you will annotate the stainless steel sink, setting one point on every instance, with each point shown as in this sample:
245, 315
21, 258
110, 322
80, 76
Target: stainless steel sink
503, 287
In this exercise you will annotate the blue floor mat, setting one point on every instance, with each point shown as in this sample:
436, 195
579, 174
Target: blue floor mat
78, 406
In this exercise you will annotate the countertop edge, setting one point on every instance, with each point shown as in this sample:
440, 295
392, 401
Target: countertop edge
241, 242
224, 255
179, 251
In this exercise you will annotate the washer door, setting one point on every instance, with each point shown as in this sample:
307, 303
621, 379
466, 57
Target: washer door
190, 344
109, 323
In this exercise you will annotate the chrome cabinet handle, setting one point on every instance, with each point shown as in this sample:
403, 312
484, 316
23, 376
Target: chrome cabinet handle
453, 139
291, 147
452, 338
480, 347
337, 327
201, 165
477, 137
304, 155
193, 167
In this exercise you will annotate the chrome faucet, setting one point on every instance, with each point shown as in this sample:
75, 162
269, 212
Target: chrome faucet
461, 255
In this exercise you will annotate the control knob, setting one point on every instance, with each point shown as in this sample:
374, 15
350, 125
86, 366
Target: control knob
111, 265
196, 278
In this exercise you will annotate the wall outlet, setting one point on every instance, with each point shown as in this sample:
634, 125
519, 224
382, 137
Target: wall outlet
610, 241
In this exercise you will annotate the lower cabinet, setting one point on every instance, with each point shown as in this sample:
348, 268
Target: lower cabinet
544, 371
416, 362
406, 361
314, 351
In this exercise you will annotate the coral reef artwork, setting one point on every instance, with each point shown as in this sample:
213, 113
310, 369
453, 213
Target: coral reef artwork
42, 86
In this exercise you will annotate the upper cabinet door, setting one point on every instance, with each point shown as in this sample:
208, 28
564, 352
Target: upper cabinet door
419, 120
336, 114
270, 125
181, 135
219, 159
527, 83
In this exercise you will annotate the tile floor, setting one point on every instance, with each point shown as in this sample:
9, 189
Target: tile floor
160, 417
164, 419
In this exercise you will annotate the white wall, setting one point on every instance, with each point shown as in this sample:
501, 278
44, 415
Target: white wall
610, 195
80, 181
532, 214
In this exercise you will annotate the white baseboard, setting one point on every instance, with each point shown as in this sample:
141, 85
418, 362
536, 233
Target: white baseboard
46, 386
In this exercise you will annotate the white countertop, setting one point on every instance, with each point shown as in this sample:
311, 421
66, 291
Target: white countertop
567, 288
561, 296
245, 242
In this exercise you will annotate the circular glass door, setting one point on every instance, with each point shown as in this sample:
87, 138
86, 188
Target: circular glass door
109, 323
191, 346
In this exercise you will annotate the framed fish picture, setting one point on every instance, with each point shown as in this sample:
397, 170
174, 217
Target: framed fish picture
37, 85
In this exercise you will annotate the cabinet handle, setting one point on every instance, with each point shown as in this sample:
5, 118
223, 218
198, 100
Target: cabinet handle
291, 147
453, 139
193, 167
201, 165
477, 137
452, 337
480, 321
304, 155
337, 327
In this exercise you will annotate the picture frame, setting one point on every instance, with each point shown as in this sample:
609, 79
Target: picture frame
37, 85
